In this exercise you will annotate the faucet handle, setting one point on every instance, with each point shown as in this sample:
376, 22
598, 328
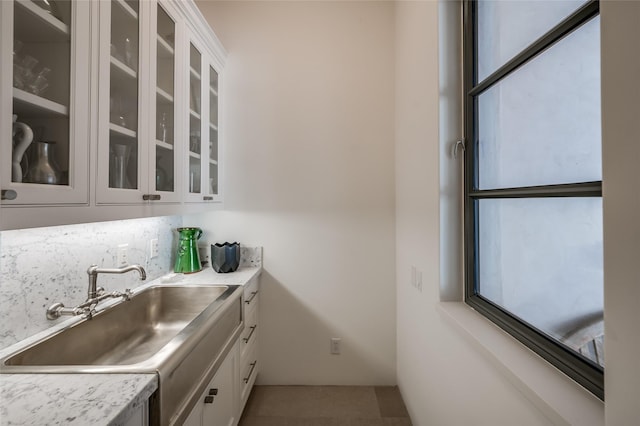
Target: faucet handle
127, 294
99, 291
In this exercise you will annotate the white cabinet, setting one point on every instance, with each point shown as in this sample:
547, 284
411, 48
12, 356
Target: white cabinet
249, 360
202, 163
117, 104
138, 151
217, 406
45, 85
224, 399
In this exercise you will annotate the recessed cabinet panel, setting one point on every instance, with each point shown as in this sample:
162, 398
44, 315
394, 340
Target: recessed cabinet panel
165, 170
42, 164
195, 121
213, 131
123, 95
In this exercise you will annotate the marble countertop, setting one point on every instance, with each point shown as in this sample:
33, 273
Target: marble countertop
91, 399
72, 399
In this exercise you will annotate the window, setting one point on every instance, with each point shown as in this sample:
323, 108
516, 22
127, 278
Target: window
533, 179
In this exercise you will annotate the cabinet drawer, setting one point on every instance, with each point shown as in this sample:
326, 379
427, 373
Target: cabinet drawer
249, 337
248, 372
251, 290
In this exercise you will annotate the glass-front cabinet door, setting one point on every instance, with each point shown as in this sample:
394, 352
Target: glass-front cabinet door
203, 180
138, 163
44, 89
195, 153
164, 173
120, 158
213, 170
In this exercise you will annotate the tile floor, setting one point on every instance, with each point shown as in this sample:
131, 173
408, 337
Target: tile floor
325, 406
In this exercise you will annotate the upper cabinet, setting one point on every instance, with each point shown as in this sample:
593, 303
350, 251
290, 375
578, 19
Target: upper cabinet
164, 174
138, 100
203, 158
110, 103
44, 95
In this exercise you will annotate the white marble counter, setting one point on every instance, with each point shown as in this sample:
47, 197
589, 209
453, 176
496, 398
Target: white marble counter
92, 399
72, 399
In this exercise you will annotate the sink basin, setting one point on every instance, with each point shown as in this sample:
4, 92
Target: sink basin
180, 332
129, 333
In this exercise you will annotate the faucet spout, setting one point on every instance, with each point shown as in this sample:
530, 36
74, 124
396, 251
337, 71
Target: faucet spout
93, 272
95, 294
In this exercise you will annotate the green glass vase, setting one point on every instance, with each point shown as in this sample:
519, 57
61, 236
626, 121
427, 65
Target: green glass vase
188, 259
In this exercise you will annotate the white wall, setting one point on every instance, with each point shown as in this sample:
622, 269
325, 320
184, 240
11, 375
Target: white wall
621, 156
443, 378
310, 177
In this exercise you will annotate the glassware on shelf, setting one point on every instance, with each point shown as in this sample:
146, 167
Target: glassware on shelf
40, 83
163, 130
49, 6
17, 47
194, 141
117, 110
43, 169
128, 52
120, 161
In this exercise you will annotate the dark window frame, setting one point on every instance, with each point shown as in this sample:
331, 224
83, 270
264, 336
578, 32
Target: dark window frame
587, 373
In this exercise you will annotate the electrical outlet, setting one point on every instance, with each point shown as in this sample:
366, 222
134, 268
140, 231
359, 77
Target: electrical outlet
336, 344
123, 258
153, 248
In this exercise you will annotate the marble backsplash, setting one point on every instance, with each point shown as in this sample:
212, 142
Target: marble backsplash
41, 266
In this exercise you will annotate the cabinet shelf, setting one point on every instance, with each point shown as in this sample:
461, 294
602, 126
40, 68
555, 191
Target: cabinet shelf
194, 73
214, 162
213, 91
51, 30
165, 50
30, 104
163, 97
164, 145
127, 9
123, 70
213, 127
122, 131
194, 114
194, 155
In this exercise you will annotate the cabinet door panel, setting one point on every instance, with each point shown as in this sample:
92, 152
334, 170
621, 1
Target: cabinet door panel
164, 172
195, 175
46, 90
220, 408
121, 154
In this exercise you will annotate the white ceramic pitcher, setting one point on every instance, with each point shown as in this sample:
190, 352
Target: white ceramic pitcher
22, 138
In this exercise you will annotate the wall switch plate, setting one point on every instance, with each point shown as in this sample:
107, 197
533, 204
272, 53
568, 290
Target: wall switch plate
123, 258
416, 278
153, 248
336, 344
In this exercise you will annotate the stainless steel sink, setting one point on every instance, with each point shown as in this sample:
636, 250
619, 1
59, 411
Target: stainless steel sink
180, 332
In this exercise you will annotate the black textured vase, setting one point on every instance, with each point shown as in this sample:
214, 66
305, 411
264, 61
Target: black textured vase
225, 257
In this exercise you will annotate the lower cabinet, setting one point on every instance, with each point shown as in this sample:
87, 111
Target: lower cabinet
218, 404
224, 399
249, 362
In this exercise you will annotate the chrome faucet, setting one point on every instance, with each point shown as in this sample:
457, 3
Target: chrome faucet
95, 294
93, 272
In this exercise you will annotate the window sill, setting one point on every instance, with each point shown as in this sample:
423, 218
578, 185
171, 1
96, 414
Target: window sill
561, 399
